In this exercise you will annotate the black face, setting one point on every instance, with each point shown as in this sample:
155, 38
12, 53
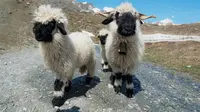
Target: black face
102, 39
43, 32
126, 24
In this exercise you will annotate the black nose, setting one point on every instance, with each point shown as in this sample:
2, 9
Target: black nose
127, 27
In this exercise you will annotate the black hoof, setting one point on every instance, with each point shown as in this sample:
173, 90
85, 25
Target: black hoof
112, 79
58, 101
105, 70
67, 88
117, 89
58, 84
129, 93
88, 80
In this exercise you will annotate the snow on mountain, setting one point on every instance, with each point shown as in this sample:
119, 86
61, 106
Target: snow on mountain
96, 9
107, 9
84, 2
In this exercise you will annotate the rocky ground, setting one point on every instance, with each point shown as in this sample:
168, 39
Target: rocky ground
27, 87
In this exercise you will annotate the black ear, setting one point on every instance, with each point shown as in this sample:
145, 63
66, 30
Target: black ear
106, 35
36, 26
61, 28
107, 20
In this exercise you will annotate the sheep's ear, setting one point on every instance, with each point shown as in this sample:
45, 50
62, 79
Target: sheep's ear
35, 26
61, 28
107, 20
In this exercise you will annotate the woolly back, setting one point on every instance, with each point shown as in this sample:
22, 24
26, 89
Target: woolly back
46, 13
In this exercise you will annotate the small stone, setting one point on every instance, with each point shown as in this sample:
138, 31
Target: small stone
156, 72
189, 66
25, 109
110, 86
5, 63
130, 106
146, 108
67, 103
40, 96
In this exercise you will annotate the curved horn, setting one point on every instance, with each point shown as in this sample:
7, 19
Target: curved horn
143, 16
104, 14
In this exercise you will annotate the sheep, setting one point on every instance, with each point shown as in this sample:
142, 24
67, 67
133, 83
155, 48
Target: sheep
125, 47
102, 36
62, 52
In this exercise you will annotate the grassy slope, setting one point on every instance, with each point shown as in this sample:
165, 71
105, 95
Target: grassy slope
179, 56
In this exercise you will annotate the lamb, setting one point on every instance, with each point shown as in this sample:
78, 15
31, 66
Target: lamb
125, 47
102, 36
62, 52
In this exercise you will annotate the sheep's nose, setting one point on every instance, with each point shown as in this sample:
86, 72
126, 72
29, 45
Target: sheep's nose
127, 27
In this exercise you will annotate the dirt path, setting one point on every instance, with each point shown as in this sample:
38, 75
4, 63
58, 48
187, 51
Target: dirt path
26, 86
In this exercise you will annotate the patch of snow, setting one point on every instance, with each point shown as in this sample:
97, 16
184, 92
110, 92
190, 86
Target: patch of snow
170, 38
96, 10
84, 2
108, 9
90, 34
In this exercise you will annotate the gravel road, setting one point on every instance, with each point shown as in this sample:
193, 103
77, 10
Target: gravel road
27, 87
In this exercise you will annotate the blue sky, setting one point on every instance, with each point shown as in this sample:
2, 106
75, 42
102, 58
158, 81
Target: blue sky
180, 11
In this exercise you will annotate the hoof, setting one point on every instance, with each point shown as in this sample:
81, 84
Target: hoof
117, 89
112, 79
105, 70
129, 93
58, 101
67, 88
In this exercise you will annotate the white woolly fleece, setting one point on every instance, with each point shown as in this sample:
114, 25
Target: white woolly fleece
46, 13
66, 52
135, 45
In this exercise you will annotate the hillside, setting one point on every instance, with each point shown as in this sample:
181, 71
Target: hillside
16, 26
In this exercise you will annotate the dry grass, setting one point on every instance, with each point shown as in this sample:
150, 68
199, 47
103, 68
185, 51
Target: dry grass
181, 56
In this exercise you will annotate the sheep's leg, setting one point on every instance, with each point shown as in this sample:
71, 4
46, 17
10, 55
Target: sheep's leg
58, 99
102, 62
129, 86
112, 78
58, 88
91, 71
118, 82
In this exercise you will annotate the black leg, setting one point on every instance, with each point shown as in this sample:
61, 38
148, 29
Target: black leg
118, 82
112, 78
105, 67
68, 86
58, 99
129, 86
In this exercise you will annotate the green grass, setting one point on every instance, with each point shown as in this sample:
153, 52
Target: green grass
182, 56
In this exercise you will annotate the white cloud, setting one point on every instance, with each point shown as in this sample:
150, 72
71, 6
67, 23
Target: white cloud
166, 21
96, 9
108, 9
172, 16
